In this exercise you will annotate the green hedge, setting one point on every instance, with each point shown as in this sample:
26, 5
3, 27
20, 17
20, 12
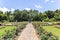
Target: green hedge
10, 33
44, 35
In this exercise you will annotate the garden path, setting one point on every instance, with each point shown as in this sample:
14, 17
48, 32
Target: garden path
29, 33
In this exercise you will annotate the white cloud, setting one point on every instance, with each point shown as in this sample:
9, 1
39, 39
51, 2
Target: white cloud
4, 9
38, 6
27, 9
58, 8
52, 1
46, 1
12, 9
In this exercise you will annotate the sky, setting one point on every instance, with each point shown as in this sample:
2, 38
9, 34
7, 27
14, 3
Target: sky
40, 5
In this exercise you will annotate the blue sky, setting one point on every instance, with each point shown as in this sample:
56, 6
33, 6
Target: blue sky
41, 5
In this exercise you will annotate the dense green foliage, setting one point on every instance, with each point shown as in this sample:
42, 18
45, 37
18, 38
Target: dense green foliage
53, 29
33, 15
45, 34
10, 32
7, 32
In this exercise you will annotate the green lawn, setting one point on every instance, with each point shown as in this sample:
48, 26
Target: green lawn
2, 30
54, 30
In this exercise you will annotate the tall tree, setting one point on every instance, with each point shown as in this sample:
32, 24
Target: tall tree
50, 14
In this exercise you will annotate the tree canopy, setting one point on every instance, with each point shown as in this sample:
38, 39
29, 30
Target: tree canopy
33, 15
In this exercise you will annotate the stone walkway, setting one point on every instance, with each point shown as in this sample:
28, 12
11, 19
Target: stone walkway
28, 33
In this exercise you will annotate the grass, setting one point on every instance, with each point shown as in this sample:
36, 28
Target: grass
11, 31
55, 31
2, 30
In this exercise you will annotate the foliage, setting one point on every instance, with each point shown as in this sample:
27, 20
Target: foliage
54, 30
45, 35
33, 15
10, 32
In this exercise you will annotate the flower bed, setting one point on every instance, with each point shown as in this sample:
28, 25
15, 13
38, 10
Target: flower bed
10, 32
44, 35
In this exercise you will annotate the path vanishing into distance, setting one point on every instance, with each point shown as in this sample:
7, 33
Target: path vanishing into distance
29, 33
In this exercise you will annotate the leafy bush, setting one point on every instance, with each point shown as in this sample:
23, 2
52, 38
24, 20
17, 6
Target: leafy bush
10, 34
44, 35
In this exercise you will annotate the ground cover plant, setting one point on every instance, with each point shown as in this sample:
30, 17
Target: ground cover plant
7, 31
54, 30
43, 34
10, 32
